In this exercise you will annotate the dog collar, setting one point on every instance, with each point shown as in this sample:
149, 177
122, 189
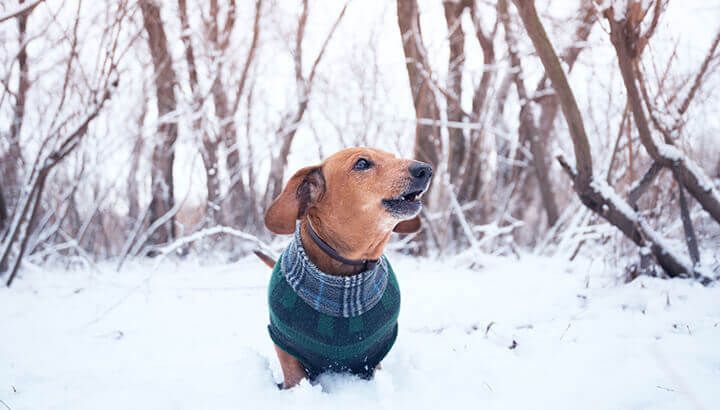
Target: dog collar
369, 264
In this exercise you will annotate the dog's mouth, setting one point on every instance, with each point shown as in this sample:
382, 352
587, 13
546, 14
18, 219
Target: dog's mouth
406, 204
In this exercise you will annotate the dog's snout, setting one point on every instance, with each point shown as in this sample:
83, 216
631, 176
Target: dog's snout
421, 170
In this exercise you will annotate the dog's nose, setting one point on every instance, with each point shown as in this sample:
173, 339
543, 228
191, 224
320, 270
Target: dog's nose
421, 170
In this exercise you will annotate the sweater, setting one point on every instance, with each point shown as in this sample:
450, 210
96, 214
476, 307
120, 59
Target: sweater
323, 342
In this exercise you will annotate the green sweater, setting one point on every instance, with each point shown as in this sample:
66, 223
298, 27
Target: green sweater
324, 343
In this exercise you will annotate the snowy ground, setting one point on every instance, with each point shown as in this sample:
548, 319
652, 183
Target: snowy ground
192, 336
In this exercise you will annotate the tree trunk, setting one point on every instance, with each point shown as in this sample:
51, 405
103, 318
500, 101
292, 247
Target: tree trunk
3, 211
427, 136
471, 184
528, 132
133, 192
163, 157
255, 218
212, 182
428, 143
12, 161
36, 195
239, 192
237, 196
286, 134
209, 149
3, 224
456, 63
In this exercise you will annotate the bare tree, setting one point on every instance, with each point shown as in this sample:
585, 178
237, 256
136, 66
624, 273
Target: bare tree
163, 157
427, 130
285, 133
456, 63
209, 150
470, 184
238, 192
218, 27
3, 222
26, 213
496, 181
528, 130
219, 40
22, 11
12, 159
66, 130
133, 191
593, 192
626, 36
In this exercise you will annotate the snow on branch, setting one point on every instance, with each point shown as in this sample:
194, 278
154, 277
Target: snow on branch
20, 10
215, 230
596, 194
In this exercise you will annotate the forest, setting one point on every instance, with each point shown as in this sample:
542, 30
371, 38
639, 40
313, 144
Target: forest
577, 136
128, 126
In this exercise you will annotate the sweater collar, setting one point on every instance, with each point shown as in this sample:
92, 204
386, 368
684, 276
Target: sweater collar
339, 296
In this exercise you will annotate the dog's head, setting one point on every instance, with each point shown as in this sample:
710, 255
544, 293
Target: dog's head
355, 189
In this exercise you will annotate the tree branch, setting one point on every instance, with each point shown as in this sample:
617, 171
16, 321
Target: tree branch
21, 10
596, 195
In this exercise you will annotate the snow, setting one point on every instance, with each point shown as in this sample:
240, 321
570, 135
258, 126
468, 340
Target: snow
657, 239
702, 177
191, 335
672, 153
620, 7
607, 192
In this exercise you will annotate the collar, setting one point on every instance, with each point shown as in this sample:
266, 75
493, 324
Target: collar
339, 296
368, 264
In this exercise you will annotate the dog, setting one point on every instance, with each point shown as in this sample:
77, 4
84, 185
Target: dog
333, 296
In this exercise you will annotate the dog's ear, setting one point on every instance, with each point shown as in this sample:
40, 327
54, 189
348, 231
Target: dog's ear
302, 190
409, 226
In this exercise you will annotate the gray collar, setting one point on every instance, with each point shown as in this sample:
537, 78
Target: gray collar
339, 296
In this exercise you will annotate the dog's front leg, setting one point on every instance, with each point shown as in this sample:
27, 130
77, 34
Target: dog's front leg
293, 371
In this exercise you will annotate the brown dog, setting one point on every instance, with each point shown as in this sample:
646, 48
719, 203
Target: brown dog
348, 207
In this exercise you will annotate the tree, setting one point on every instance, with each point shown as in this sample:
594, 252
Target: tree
629, 43
12, 159
285, 133
428, 145
528, 131
456, 62
593, 192
66, 129
162, 203
209, 149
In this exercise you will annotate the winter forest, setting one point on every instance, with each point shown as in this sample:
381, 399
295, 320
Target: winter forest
570, 240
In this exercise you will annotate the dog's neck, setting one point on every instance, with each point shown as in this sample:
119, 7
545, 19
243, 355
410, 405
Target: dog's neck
357, 246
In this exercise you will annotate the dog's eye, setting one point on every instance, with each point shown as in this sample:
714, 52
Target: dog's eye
362, 164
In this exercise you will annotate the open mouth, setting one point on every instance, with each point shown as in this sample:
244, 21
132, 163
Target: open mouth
406, 204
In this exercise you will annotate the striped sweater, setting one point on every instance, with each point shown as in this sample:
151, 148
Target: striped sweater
324, 343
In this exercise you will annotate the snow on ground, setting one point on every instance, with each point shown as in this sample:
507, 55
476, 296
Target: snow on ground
193, 336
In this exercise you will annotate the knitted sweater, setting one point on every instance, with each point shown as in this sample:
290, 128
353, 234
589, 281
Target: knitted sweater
324, 343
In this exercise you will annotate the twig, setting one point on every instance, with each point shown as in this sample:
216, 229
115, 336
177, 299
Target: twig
20, 11
698, 78
166, 250
457, 209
